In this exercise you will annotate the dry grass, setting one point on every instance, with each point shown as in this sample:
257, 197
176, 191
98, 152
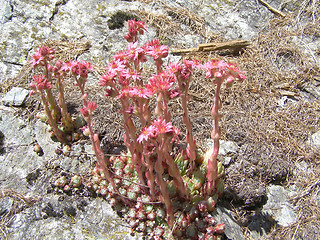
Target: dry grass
19, 203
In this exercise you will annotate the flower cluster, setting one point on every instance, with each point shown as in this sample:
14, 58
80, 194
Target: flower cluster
150, 142
158, 127
41, 84
56, 110
220, 70
166, 178
42, 56
135, 28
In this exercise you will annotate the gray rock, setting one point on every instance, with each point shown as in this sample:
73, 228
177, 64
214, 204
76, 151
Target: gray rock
52, 216
284, 101
24, 26
227, 147
278, 206
5, 11
260, 225
42, 137
16, 131
15, 97
232, 228
5, 206
227, 150
88, 149
314, 140
69, 218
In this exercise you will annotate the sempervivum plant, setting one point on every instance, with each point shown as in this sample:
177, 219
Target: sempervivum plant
163, 194
187, 184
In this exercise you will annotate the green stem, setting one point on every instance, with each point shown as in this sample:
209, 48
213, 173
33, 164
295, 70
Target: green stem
66, 117
57, 132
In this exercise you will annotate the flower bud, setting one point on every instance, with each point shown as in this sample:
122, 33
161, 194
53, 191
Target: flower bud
84, 111
84, 96
229, 81
220, 168
211, 204
151, 216
89, 186
32, 86
103, 191
85, 130
203, 206
110, 92
50, 68
75, 137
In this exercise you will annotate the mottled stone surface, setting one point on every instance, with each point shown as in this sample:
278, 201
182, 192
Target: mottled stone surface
15, 97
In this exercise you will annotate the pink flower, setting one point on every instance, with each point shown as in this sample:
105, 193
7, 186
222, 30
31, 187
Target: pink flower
158, 127
146, 134
173, 68
81, 68
140, 92
32, 86
235, 72
122, 56
130, 74
46, 52
107, 79
160, 82
42, 54
89, 109
138, 26
135, 53
161, 127
84, 111
36, 60
125, 92
85, 130
215, 68
158, 51
129, 38
174, 93
92, 106
41, 83
151, 43
123, 81
68, 66
191, 63
135, 28
241, 77
116, 66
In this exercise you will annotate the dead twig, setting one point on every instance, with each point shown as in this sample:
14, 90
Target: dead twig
235, 45
307, 191
272, 9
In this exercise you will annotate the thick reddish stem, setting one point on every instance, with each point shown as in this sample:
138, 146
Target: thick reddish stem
215, 135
